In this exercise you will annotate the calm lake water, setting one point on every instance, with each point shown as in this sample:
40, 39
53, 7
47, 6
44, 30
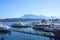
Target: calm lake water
20, 36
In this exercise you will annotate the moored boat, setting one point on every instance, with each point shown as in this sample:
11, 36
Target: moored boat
53, 27
20, 24
41, 26
4, 28
49, 27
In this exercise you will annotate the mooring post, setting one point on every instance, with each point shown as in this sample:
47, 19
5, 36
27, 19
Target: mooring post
57, 34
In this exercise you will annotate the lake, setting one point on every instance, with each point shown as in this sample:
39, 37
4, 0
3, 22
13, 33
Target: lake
20, 36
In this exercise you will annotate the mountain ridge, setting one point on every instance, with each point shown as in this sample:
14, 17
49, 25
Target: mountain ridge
40, 16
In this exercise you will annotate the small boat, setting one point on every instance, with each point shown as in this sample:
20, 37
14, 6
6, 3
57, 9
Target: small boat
20, 24
40, 26
4, 28
52, 28
49, 29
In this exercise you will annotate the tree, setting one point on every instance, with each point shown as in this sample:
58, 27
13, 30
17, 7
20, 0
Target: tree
43, 21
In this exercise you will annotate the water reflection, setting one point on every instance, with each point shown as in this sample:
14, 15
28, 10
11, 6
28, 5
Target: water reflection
3, 39
4, 35
21, 36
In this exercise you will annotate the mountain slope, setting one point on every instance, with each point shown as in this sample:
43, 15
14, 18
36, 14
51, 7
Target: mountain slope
34, 16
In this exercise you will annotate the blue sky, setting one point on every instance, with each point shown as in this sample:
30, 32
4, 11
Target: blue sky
18, 8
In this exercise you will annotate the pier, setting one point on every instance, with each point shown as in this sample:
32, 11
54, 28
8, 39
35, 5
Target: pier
50, 35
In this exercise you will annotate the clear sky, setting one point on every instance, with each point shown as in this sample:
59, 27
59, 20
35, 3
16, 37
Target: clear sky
17, 8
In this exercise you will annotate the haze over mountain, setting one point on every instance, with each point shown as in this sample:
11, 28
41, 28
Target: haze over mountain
40, 16
30, 16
